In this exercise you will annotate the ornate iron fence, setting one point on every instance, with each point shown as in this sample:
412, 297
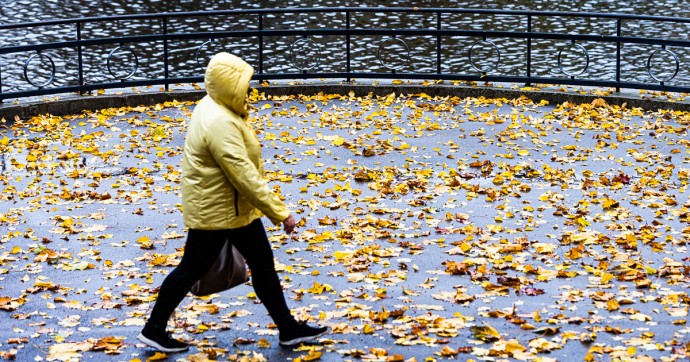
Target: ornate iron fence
523, 47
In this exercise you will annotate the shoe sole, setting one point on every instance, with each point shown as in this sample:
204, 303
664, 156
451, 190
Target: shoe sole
157, 346
297, 341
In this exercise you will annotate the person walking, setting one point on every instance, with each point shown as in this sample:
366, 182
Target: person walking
224, 196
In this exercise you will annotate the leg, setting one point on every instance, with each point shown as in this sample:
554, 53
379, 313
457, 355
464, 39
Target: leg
253, 244
201, 250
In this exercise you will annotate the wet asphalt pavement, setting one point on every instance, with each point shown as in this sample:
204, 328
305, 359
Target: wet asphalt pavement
563, 228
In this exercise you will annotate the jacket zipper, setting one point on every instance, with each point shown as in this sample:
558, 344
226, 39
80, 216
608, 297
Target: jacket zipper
237, 204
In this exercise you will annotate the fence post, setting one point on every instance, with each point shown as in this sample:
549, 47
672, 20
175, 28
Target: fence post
438, 43
392, 69
529, 49
80, 60
347, 44
166, 64
618, 54
1, 97
261, 44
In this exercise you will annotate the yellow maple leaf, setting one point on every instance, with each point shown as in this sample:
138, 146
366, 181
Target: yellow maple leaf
158, 356
606, 278
485, 333
318, 288
609, 203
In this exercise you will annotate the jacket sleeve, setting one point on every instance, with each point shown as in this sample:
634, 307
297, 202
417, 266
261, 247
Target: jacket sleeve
230, 153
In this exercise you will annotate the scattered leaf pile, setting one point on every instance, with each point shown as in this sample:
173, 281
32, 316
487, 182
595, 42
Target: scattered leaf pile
430, 228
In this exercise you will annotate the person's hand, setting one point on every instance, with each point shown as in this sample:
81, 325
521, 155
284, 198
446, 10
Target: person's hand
289, 224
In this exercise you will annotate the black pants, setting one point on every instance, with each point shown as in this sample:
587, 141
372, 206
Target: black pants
202, 249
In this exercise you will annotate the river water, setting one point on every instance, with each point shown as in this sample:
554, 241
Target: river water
34, 10
365, 51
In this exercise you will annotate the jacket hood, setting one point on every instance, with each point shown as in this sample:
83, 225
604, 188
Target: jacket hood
227, 81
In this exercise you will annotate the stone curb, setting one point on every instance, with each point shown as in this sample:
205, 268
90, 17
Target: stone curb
77, 104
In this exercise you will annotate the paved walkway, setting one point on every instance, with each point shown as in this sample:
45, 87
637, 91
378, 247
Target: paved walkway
485, 229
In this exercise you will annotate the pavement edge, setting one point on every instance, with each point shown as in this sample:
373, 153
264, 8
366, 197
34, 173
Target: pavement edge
78, 104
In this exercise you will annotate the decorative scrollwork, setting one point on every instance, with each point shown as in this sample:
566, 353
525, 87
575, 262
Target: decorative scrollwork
134, 68
560, 59
491, 68
649, 65
305, 54
392, 43
199, 49
41, 57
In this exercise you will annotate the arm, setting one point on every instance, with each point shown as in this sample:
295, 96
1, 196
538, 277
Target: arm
228, 150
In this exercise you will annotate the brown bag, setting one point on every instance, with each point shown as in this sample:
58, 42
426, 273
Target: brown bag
228, 271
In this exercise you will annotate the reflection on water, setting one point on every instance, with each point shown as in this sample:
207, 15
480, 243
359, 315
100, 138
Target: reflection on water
415, 53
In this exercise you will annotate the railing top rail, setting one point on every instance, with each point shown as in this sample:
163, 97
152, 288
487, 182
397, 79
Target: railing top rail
350, 9
331, 31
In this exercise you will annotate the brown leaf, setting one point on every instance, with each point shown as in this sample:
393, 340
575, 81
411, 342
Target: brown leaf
242, 341
456, 268
509, 281
21, 340
532, 291
547, 331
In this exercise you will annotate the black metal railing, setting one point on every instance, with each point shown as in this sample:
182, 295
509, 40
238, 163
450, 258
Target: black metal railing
524, 47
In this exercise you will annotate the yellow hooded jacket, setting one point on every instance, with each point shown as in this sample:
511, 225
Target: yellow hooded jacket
222, 169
